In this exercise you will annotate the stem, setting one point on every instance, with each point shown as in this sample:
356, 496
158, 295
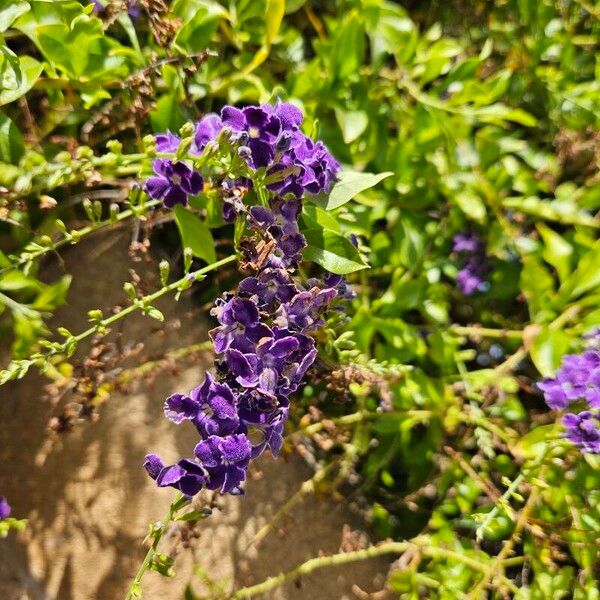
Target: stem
347, 557
18, 368
134, 590
319, 563
194, 275
504, 499
477, 331
76, 235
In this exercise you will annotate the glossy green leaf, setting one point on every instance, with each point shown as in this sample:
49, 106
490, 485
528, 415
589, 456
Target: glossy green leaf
333, 251
349, 185
16, 79
547, 350
10, 10
201, 21
353, 123
11, 141
315, 217
348, 47
195, 234
557, 252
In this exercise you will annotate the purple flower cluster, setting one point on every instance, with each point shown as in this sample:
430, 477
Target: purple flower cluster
264, 349
174, 182
578, 379
267, 137
4, 508
471, 277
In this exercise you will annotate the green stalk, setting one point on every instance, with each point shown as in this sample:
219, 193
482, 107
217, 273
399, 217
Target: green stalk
135, 590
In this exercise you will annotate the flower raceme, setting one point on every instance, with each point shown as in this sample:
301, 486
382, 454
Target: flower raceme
266, 137
264, 351
577, 380
263, 343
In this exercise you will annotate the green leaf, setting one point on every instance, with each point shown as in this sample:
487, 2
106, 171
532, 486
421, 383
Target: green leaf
547, 350
11, 141
349, 184
584, 279
537, 285
273, 18
557, 252
315, 217
332, 251
533, 445
353, 123
17, 78
195, 234
562, 211
53, 295
201, 19
472, 205
10, 11
82, 51
348, 48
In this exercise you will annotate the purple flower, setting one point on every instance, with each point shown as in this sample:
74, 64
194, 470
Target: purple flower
225, 460
218, 408
472, 276
269, 287
271, 432
174, 182
4, 508
211, 407
553, 394
583, 430
262, 344
262, 369
320, 168
207, 130
312, 169
132, 8
338, 282
262, 127
240, 326
577, 379
466, 242
167, 142
304, 311
187, 475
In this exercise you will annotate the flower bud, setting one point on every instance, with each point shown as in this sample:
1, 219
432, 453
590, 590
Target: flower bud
47, 202
284, 142
164, 268
188, 255
149, 144
113, 212
184, 146
187, 129
244, 152
114, 146
129, 290
89, 209
95, 315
